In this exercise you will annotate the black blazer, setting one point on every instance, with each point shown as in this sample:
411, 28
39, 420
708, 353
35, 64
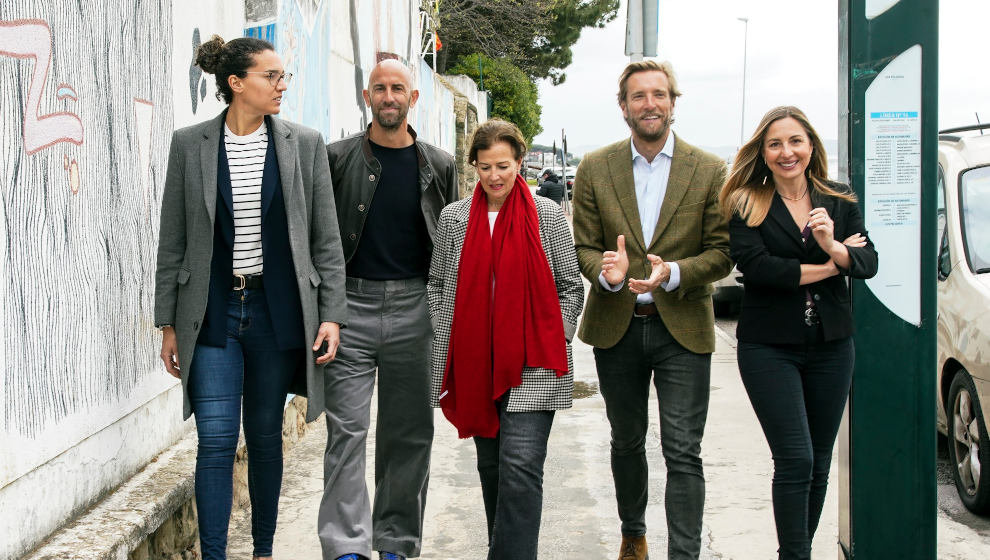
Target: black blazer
770, 258
281, 290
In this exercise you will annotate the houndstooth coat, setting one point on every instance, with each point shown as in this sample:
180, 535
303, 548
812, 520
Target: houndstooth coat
541, 389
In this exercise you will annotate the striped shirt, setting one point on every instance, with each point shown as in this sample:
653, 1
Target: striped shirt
246, 160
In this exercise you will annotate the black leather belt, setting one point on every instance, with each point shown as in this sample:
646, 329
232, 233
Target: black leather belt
239, 282
645, 309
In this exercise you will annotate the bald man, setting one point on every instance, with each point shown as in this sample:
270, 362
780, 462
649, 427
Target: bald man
389, 188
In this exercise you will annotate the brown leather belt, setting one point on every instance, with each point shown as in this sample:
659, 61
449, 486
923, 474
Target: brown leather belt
645, 309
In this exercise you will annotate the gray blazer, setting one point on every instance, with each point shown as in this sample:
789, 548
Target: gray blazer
541, 389
185, 246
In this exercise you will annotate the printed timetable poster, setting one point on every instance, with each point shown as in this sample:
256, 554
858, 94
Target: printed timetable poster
893, 183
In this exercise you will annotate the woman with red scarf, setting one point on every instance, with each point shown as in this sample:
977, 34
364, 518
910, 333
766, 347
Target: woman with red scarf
505, 293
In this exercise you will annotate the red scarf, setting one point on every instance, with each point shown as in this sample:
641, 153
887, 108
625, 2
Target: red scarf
494, 335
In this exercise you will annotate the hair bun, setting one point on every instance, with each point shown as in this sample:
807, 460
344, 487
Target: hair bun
210, 54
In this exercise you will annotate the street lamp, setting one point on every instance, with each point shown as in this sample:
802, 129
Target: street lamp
742, 118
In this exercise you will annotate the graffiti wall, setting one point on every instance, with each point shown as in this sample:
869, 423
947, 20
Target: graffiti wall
90, 92
329, 75
89, 96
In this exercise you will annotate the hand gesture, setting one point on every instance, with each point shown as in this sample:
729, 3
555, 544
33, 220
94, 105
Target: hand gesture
329, 333
170, 352
615, 264
822, 227
855, 240
659, 274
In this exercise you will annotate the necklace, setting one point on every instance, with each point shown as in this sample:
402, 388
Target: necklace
785, 197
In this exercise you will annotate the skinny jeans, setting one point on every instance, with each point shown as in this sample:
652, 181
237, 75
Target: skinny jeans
798, 392
253, 370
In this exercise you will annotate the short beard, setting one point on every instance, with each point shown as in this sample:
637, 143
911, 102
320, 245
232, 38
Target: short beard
649, 136
390, 124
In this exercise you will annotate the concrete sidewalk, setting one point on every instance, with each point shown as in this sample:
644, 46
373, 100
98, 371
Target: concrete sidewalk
579, 517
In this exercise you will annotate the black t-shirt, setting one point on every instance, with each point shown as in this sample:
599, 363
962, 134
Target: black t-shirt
394, 242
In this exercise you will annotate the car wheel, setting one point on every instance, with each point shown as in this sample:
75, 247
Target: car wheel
969, 447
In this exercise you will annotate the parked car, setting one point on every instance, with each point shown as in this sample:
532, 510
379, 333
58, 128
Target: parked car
963, 325
728, 293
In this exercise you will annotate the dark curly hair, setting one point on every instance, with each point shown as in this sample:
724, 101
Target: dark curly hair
232, 58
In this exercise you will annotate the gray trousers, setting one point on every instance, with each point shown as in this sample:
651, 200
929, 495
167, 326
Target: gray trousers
388, 329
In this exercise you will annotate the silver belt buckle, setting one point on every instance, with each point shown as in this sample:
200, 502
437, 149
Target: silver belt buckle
811, 317
243, 280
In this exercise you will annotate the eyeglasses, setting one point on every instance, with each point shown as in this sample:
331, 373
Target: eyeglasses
274, 77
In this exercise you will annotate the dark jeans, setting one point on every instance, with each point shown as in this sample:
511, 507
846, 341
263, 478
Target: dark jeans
252, 368
511, 470
798, 392
681, 378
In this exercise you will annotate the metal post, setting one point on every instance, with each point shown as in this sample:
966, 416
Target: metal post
742, 118
888, 52
634, 30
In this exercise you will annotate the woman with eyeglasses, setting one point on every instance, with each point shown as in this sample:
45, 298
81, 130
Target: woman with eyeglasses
795, 328
249, 281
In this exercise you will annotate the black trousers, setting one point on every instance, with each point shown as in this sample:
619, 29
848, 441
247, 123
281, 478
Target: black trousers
798, 393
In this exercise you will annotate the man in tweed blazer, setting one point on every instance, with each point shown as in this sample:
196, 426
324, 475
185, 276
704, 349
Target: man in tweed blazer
650, 239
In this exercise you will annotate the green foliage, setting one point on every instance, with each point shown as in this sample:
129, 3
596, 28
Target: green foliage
550, 52
514, 95
534, 35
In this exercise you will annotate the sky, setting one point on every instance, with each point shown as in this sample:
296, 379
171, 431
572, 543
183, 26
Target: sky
791, 59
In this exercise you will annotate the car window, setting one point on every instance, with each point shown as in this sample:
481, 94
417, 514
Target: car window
940, 201
944, 261
974, 201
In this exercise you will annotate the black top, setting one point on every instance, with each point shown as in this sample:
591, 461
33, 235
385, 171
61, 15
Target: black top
770, 256
552, 189
394, 241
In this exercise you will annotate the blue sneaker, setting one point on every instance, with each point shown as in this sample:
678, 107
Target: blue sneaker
352, 557
390, 556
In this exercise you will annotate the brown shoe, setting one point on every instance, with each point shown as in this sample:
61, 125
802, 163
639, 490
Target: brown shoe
633, 548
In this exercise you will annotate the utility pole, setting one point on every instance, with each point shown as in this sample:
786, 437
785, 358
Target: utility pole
642, 28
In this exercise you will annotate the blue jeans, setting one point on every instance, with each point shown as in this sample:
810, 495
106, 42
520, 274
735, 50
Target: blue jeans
250, 367
511, 470
682, 379
798, 392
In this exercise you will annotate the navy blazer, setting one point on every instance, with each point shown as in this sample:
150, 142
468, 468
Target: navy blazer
281, 290
770, 256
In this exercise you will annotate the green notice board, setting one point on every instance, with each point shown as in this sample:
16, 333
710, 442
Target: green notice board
888, 52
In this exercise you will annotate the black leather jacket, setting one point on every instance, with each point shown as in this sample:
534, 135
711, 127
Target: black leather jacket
356, 172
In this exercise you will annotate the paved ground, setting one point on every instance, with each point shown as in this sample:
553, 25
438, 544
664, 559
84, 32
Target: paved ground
579, 520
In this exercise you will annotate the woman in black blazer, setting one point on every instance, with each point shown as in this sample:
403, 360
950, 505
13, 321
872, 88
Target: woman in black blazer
795, 348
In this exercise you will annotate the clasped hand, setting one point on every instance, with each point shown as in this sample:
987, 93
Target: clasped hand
615, 265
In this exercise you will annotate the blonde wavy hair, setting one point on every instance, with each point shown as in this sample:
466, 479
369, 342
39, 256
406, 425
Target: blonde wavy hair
749, 189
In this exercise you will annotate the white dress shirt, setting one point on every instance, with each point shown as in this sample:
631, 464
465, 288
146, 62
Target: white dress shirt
650, 179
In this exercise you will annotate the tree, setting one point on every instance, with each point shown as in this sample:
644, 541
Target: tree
514, 95
550, 52
534, 35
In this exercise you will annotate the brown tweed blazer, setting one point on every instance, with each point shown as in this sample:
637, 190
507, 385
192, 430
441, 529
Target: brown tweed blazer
690, 231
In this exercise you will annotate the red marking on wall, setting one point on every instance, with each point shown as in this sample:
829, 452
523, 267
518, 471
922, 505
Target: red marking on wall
32, 38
